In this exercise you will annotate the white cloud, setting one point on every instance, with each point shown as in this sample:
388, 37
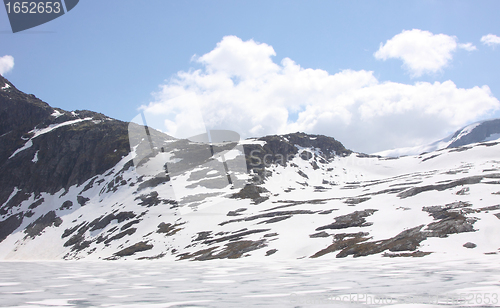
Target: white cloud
253, 96
421, 51
490, 40
6, 64
467, 46
240, 59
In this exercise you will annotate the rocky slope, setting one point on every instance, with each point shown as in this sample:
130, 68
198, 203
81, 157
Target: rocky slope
45, 149
477, 132
80, 185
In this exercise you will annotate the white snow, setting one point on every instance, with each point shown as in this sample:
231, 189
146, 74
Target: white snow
229, 155
35, 158
27, 145
39, 132
412, 150
252, 141
57, 113
467, 130
435, 146
6, 86
368, 282
8, 284
493, 137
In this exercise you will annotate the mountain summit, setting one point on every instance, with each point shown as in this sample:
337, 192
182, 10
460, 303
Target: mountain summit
45, 149
73, 188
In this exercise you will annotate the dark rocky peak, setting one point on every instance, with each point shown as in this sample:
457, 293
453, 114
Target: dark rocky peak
23, 112
328, 146
20, 111
279, 149
479, 133
45, 149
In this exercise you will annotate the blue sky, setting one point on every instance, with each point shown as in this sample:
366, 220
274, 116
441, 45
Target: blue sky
114, 56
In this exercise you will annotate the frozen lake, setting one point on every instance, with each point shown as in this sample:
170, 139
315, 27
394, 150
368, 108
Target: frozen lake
363, 282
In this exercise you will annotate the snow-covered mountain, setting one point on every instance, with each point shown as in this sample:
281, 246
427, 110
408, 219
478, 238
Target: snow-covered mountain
79, 185
488, 130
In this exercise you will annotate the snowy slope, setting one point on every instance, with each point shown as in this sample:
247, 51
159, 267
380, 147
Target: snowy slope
476, 132
313, 205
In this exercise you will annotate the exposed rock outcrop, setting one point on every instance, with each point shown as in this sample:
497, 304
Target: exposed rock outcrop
45, 149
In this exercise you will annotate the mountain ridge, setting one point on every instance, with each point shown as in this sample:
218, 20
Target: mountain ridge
64, 159
71, 189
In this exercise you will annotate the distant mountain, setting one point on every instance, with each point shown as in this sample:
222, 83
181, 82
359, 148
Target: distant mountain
79, 185
477, 132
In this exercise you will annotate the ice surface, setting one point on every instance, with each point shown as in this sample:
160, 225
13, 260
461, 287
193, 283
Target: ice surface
371, 282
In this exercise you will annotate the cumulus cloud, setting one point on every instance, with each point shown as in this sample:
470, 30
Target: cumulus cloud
490, 40
421, 51
6, 64
254, 96
240, 59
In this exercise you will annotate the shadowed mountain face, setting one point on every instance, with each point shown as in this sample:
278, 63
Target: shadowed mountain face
72, 187
45, 149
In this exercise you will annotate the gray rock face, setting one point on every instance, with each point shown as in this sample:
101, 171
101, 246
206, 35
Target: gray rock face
470, 245
280, 149
9, 225
36, 228
478, 134
450, 219
59, 158
355, 219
